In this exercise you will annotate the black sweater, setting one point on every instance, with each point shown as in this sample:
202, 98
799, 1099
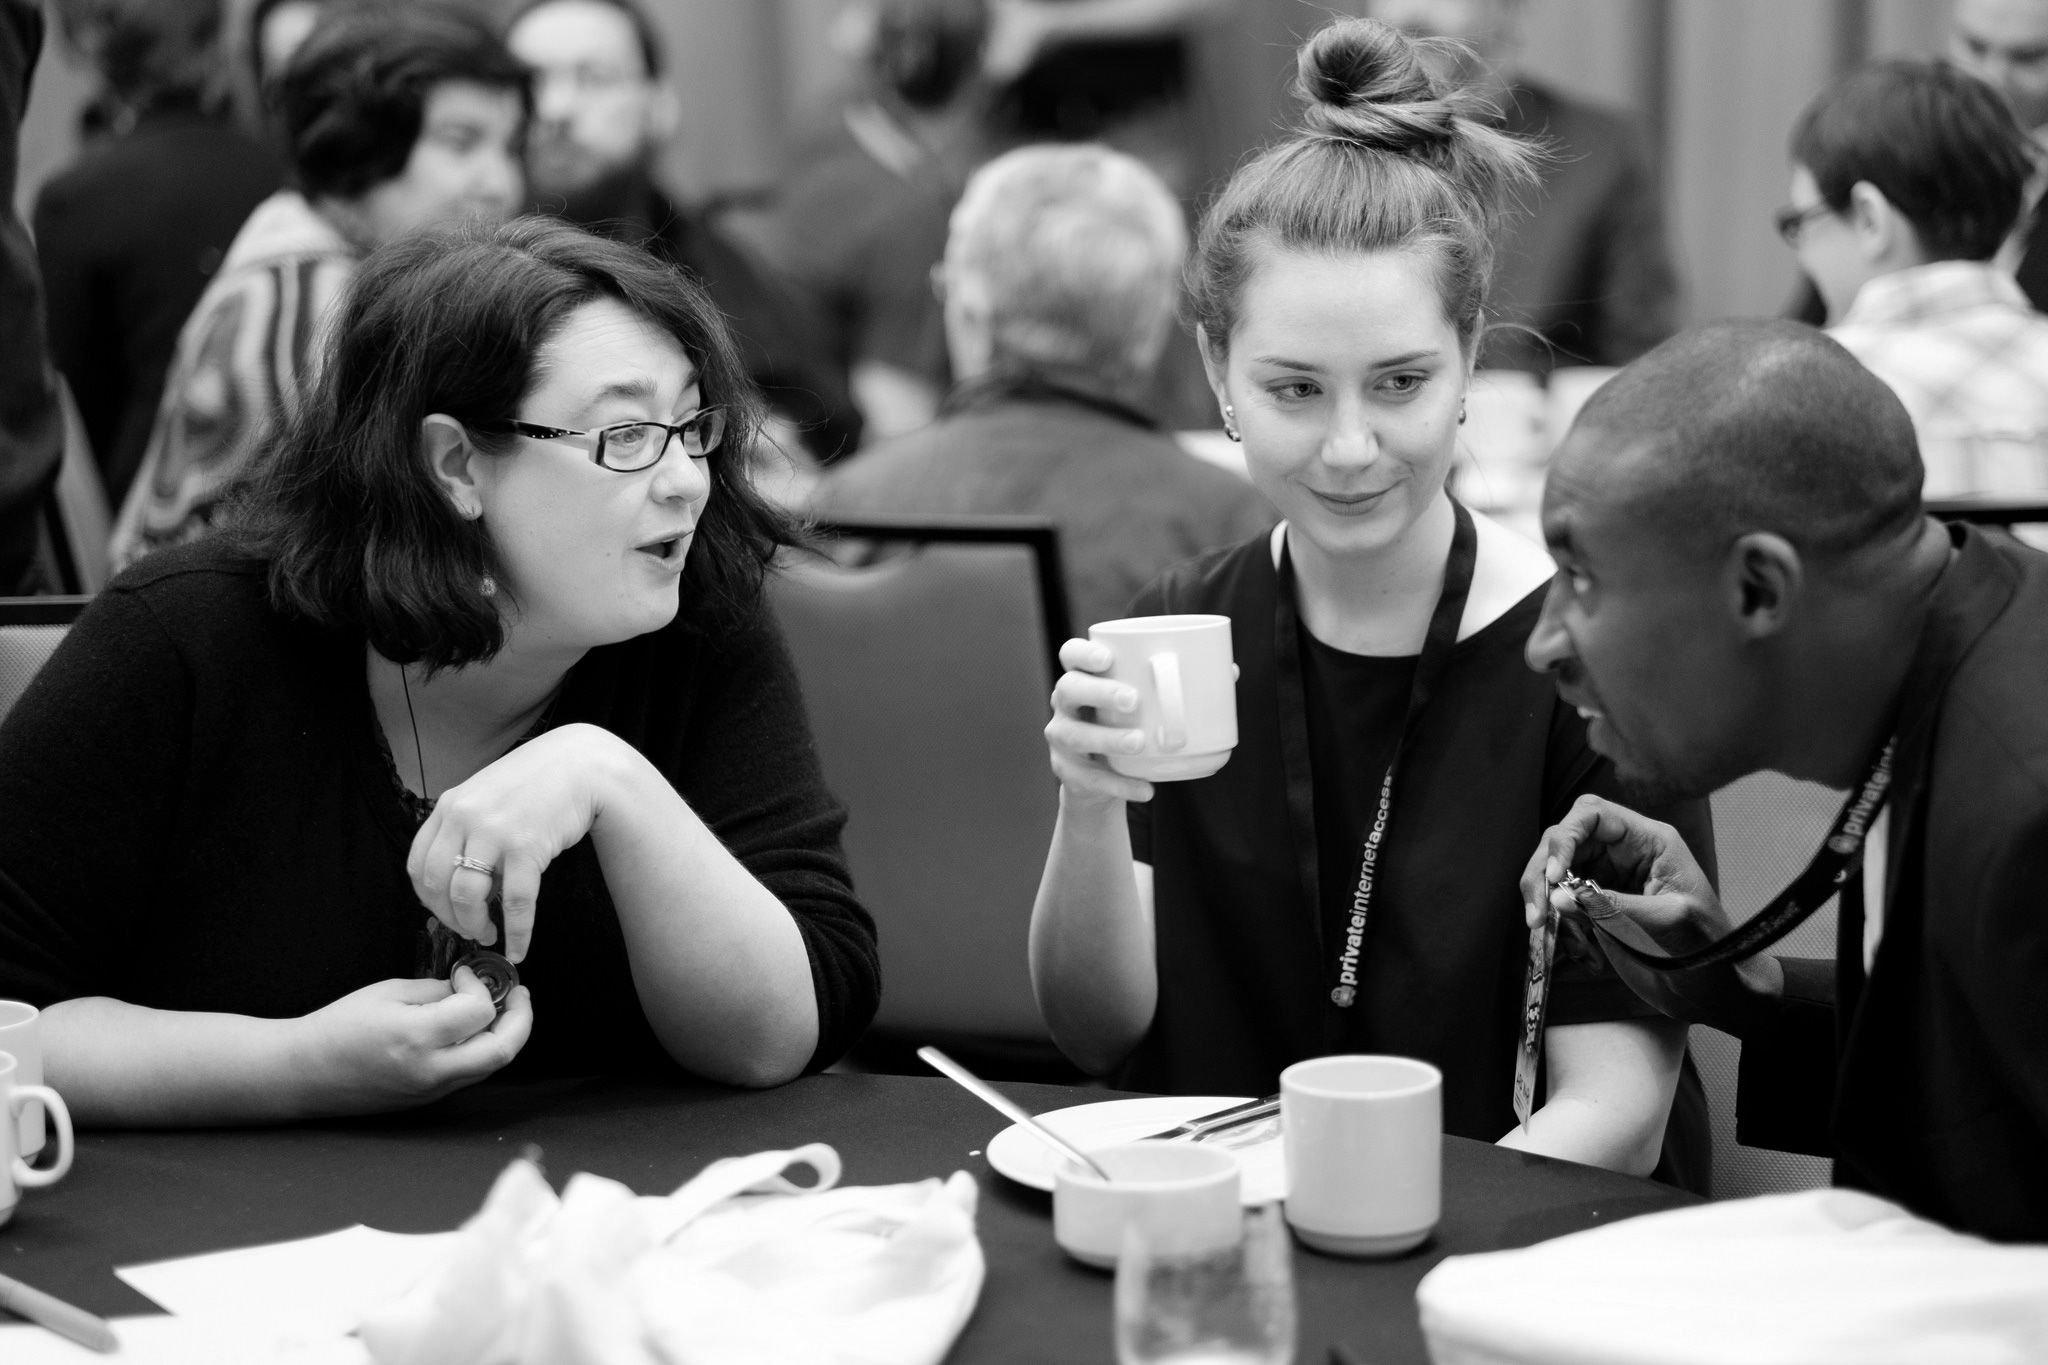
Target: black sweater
196, 813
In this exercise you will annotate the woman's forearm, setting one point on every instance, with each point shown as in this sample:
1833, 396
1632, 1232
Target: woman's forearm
1609, 1095
121, 1065
719, 963
1092, 964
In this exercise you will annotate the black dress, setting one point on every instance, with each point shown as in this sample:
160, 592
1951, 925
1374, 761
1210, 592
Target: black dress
1253, 866
196, 813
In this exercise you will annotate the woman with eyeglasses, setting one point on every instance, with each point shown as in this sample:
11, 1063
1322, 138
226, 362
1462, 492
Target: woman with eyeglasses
477, 688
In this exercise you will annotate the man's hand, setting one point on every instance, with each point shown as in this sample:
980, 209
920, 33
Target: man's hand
1659, 902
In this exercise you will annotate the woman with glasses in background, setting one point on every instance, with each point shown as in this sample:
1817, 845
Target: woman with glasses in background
477, 687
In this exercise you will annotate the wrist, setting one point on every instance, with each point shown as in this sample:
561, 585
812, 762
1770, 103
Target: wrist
1090, 807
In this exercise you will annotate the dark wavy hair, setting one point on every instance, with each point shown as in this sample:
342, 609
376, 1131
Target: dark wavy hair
357, 532
1388, 156
1940, 144
353, 96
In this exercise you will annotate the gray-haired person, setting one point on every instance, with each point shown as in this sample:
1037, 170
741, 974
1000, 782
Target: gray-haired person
1060, 277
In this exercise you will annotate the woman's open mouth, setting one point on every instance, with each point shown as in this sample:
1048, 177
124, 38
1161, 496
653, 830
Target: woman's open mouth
669, 552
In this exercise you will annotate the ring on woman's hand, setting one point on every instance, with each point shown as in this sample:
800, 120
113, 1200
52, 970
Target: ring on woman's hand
463, 860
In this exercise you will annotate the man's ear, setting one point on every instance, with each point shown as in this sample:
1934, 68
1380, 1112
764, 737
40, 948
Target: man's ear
1765, 577
451, 460
1885, 234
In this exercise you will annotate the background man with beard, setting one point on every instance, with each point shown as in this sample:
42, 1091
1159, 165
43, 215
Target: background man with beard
1746, 582
601, 112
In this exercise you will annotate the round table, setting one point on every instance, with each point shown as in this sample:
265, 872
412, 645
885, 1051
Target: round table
144, 1196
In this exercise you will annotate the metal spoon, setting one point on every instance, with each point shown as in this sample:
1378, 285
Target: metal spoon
994, 1099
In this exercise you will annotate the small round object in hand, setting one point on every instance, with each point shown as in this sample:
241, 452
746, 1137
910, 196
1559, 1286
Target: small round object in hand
463, 860
495, 970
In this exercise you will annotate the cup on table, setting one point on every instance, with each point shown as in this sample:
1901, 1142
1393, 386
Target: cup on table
1364, 1142
1183, 1198
1186, 681
21, 1035
16, 1174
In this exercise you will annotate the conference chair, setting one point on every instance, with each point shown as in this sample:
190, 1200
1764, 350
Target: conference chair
30, 630
927, 648
77, 520
1766, 827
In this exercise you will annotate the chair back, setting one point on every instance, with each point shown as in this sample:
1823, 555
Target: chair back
77, 521
31, 628
1766, 828
926, 675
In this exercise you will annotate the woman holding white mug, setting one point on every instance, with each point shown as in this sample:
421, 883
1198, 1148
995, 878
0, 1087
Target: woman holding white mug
1348, 881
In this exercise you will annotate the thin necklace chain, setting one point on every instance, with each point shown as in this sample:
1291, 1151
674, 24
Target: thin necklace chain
418, 753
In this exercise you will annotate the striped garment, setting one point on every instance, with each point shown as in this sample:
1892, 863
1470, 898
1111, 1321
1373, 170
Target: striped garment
1968, 356
245, 358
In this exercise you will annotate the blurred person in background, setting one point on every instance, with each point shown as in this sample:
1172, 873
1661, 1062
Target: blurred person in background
2005, 42
31, 433
1906, 179
860, 220
276, 30
396, 117
129, 235
1061, 274
603, 110
1115, 71
1585, 265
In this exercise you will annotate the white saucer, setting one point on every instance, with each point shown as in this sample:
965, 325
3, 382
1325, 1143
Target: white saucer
1015, 1153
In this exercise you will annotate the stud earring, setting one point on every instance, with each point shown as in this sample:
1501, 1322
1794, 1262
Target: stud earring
488, 587
1230, 423
1461, 416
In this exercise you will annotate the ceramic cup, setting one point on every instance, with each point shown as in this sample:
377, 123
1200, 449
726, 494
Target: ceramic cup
1364, 1142
1183, 1197
1186, 681
16, 1174
21, 1034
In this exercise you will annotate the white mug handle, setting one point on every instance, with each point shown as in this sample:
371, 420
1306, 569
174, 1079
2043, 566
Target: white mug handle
25, 1175
1173, 705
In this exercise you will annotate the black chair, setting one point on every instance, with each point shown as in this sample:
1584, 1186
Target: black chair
927, 648
31, 628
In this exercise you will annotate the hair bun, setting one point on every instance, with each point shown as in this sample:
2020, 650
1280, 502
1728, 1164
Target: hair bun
1365, 82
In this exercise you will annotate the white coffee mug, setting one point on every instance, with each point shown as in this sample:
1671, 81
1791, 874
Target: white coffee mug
21, 1034
1186, 681
16, 1174
1364, 1142
1182, 1197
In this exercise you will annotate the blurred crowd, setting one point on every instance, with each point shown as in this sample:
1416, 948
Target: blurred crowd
887, 300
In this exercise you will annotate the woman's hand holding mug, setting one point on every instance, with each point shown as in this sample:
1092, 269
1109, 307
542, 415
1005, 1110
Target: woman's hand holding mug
1094, 716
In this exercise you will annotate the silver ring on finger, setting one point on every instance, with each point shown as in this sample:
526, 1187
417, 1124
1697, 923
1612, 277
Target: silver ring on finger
463, 860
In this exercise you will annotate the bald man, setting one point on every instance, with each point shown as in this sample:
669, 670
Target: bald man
1746, 582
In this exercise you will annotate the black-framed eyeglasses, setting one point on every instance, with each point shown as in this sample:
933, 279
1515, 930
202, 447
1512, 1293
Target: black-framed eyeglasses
1792, 221
627, 447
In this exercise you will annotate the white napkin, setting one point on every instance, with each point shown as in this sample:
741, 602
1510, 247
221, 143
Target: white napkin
1827, 1277
739, 1265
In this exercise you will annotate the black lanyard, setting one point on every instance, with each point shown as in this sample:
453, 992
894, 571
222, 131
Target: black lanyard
1838, 859
1436, 653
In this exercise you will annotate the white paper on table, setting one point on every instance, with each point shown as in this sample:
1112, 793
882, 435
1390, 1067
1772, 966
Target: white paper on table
158, 1340
312, 1290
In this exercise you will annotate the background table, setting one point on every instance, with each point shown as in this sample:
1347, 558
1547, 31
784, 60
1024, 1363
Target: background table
136, 1197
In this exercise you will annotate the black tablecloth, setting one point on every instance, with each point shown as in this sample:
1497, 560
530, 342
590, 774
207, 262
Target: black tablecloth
135, 1197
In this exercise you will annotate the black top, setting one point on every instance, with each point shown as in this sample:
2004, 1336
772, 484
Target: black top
1242, 862
1939, 1099
196, 814
128, 238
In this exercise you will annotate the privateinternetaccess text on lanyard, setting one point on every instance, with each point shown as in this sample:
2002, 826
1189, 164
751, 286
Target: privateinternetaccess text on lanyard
1436, 653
